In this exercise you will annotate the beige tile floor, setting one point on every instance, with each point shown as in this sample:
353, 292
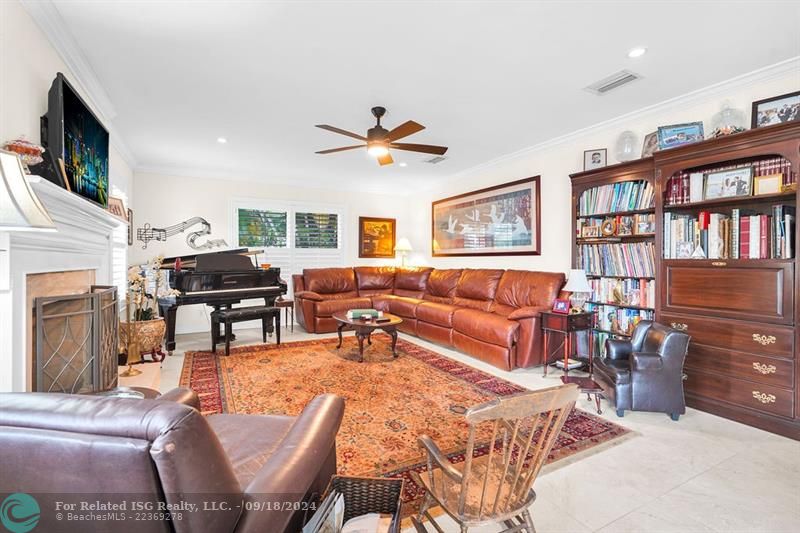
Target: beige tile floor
701, 474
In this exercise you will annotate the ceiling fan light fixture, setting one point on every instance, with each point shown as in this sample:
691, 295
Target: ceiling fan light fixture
377, 149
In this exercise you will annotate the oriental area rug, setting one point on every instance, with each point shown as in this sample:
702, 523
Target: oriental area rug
388, 402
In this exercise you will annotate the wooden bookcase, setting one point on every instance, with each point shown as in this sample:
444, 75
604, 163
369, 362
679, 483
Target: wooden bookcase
741, 313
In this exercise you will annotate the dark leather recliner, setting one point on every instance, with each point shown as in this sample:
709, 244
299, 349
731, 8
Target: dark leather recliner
221, 473
645, 373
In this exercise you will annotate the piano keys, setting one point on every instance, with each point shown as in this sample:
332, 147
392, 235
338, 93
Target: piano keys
217, 279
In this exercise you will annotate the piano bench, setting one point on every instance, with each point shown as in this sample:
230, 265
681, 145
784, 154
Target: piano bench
242, 314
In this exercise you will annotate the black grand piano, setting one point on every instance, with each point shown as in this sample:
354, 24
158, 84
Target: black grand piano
217, 279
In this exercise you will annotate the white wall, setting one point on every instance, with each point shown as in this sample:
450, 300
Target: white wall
164, 200
555, 160
28, 66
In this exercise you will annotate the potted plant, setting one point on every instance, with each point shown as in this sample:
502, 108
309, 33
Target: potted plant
144, 330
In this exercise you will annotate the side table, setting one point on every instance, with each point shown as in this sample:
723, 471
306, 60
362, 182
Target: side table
566, 325
288, 307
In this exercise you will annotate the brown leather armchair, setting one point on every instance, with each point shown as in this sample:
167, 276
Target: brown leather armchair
221, 473
645, 373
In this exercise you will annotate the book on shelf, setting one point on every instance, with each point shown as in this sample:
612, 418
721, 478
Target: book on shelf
744, 234
688, 186
614, 197
634, 259
631, 291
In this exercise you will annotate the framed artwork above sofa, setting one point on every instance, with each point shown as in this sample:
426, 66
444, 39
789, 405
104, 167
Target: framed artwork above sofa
500, 220
376, 237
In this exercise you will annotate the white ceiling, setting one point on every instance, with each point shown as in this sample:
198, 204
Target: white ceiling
486, 78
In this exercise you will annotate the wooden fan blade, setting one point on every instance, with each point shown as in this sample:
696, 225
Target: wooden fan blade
424, 148
404, 130
385, 159
342, 149
341, 131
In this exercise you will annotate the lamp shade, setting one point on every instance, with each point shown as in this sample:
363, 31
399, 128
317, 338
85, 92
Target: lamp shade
20, 208
577, 282
403, 245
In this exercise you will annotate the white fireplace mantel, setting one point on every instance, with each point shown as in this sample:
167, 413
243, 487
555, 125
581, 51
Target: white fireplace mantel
87, 238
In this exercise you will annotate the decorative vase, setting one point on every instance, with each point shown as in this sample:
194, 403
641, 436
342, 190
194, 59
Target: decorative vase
627, 147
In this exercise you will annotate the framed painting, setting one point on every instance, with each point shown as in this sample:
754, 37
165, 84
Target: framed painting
499, 220
376, 237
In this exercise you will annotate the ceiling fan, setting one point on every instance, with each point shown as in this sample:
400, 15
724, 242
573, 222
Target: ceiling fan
379, 140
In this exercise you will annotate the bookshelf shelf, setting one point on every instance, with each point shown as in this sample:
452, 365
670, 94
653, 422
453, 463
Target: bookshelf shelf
619, 213
735, 201
622, 306
595, 276
614, 238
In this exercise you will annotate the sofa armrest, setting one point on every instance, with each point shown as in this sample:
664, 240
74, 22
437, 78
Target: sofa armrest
646, 361
309, 295
526, 312
292, 470
618, 349
182, 395
298, 283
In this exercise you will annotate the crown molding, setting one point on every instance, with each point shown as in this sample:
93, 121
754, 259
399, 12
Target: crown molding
782, 68
45, 14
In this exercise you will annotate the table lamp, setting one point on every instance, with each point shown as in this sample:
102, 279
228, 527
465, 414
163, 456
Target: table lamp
20, 208
402, 247
578, 285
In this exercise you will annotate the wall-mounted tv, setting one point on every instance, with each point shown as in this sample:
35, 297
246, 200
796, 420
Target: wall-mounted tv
72, 133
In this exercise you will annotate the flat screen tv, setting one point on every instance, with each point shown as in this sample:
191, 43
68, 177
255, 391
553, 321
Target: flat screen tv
72, 133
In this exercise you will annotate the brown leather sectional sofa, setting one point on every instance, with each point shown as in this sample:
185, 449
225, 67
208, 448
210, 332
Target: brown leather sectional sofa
493, 315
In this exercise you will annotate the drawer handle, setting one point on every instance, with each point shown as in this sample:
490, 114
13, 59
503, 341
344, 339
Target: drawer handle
679, 326
719, 263
763, 397
764, 369
764, 340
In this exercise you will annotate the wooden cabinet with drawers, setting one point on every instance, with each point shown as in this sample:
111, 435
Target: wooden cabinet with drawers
741, 313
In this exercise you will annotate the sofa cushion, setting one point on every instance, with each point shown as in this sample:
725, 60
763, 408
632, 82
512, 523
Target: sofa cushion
436, 313
328, 307
411, 282
404, 307
249, 440
476, 288
485, 326
441, 285
523, 288
330, 280
374, 280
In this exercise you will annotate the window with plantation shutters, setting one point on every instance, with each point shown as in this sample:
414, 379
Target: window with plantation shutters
316, 230
293, 236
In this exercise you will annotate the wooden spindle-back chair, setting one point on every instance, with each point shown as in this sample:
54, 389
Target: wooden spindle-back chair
496, 487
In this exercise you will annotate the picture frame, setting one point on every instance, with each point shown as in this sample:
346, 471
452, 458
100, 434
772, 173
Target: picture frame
561, 306
117, 208
130, 227
650, 144
775, 110
608, 227
590, 232
593, 159
728, 183
376, 237
645, 224
772, 184
676, 135
500, 220
625, 226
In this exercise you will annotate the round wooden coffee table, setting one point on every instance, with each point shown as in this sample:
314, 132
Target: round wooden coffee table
364, 329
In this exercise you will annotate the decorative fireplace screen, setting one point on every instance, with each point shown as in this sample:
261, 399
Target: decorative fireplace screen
75, 341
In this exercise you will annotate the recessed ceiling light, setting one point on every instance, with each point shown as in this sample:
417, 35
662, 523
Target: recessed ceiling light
637, 52
403, 164
222, 140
